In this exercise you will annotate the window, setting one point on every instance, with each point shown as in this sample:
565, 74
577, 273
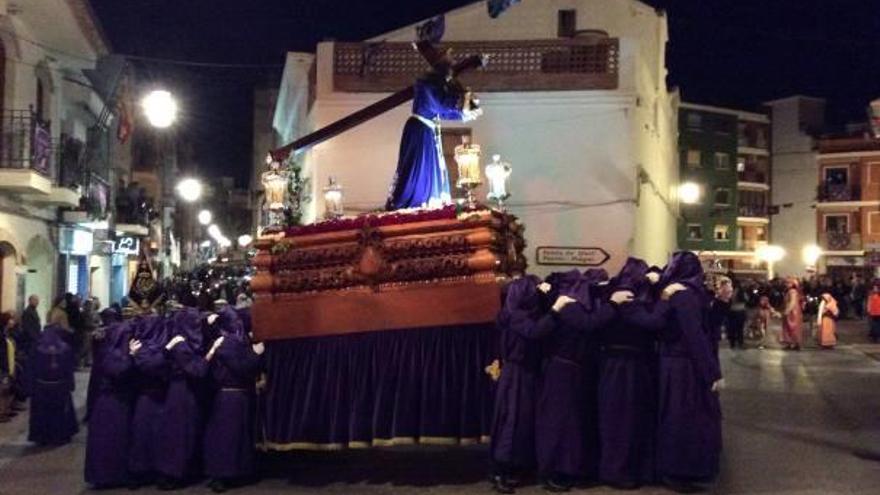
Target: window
874, 222
694, 232
722, 161
836, 176
694, 120
741, 164
837, 224
722, 196
874, 173
567, 25
693, 158
722, 233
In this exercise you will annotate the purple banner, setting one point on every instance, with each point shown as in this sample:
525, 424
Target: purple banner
42, 148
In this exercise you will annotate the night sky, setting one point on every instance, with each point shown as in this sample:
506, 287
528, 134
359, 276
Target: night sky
725, 52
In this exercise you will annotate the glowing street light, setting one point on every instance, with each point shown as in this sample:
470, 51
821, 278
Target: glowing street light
245, 240
811, 254
770, 254
160, 108
189, 190
689, 193
205, 217
214, 231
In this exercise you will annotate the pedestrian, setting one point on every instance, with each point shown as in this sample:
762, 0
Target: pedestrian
53, 418
147, 348
627, 391
90, 322
719, 312
736, 319
110, 399
229, 430
874, 312
522, 324
179, 432
859, 294
77, 325
58, 314
31, 327
7, 367
689, 377
566, 434
828, 314
792, 323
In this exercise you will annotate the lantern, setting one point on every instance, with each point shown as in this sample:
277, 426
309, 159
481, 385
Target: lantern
333, 199
467, 156
498, 173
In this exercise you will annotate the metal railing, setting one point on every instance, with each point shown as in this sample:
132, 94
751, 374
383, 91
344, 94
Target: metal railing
839, 192
515, 65
840, 241
753, 211
752, 176
25, 142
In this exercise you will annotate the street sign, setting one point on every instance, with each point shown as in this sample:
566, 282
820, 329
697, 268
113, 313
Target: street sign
571, 256
127, 245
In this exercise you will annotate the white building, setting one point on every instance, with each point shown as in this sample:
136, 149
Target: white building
44, 47
584, 118
797, 122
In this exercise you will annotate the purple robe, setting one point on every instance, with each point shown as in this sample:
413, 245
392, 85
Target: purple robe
421, 177
52, 417
180, 427
229, 432
566, 432
627, 390
107, 442
151, 383
513, 422
689, 419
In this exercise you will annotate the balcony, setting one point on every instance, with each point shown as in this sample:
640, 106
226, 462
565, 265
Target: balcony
29, 161
840, 241
749, 244
828, 193
752, 176
525, 65
134, 211
753, 211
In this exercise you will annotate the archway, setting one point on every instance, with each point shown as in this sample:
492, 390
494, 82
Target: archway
8, 279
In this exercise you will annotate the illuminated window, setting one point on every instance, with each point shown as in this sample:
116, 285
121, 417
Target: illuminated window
722, 233
694, 232
722, 161
693, 158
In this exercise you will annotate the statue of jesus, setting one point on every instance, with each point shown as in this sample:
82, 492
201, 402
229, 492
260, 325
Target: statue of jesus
422, 179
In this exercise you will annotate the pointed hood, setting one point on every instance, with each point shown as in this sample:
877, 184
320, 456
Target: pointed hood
684, 268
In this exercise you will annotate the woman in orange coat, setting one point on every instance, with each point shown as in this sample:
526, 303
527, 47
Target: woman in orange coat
828, 312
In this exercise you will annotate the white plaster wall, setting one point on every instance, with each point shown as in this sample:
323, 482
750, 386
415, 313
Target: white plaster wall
794, 181
100, 278
19, 231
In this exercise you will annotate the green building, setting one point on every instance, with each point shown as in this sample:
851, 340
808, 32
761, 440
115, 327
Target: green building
726, 153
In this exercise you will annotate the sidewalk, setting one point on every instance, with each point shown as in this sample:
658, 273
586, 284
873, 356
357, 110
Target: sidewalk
13, 435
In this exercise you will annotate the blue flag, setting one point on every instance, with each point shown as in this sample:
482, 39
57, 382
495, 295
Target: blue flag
497, 7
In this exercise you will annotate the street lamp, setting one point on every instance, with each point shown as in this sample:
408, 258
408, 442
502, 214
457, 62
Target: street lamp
160, 108
245, 240
205, 217
811, 255
689, 193
189, 189
214, 231
770, 254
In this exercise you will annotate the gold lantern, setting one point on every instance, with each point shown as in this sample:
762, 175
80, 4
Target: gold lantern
467, 156
333, 199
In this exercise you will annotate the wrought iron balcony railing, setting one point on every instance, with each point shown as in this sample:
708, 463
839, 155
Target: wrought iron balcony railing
840, 241
752, 176
25, 142
753, 211
522, 65
839, 192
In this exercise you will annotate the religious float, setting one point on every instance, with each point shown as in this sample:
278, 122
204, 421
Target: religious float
379, 327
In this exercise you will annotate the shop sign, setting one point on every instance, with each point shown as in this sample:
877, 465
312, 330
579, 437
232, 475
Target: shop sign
571, 256
128, 245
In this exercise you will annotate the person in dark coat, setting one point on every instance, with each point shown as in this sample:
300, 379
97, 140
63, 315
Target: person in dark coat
179, 432
151, 385
627, 391
522, 321
689, 375
565, 437
31, 327
52, 417
110, 398
229, 431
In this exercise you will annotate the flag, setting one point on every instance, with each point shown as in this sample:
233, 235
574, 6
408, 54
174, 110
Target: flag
431, 30
497, 7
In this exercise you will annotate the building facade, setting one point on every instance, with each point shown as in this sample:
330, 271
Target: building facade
726, 153
574, 97
797, 122
48, 153
848, 204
